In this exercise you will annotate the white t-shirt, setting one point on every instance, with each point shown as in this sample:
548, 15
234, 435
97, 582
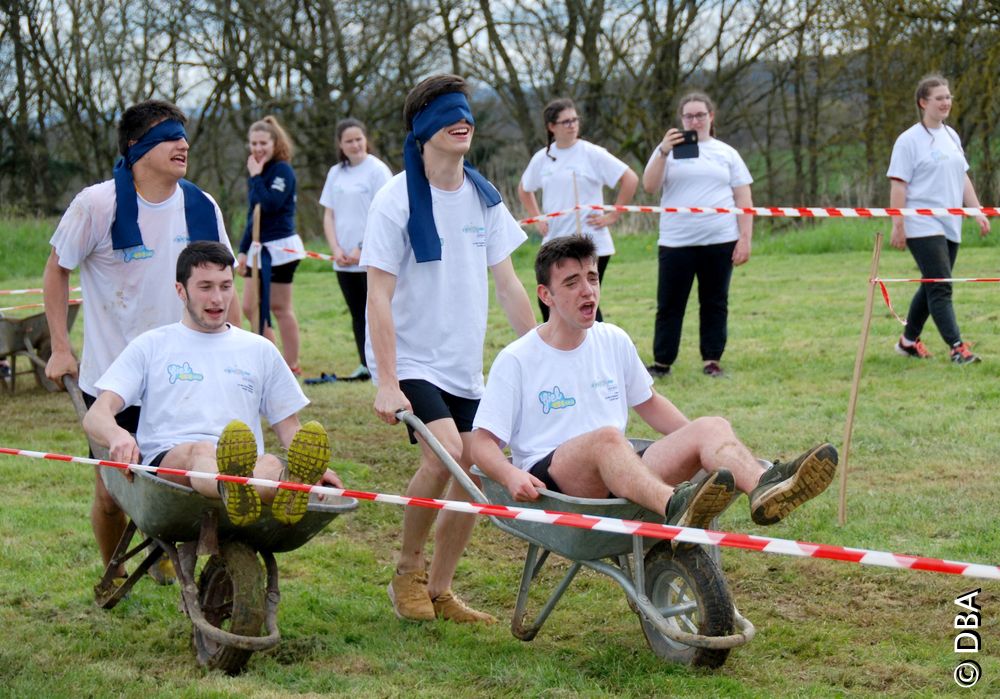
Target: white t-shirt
439, 308
193, 383
125, 292
594, 168
538, 397
349, 192
932, 164
708, 181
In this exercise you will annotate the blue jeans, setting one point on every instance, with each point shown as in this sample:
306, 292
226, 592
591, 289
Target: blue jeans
935, 257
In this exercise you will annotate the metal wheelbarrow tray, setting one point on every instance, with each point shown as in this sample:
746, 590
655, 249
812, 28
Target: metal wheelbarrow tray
678, 591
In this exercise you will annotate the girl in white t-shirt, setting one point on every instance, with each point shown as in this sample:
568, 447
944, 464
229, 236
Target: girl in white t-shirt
702, 246
928, 169
350, 186
571, 171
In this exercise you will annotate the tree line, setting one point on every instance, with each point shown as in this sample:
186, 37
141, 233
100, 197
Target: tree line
811, 93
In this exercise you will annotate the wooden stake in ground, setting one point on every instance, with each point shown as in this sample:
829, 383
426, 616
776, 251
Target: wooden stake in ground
858, 361
255, 323
576, 201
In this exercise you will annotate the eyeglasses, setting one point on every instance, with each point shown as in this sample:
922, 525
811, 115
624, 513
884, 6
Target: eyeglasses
568, 122
697, 116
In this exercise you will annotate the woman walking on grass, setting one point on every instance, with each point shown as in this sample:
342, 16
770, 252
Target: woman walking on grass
702, 246
347, 194
271, 184
928, 169
571, 171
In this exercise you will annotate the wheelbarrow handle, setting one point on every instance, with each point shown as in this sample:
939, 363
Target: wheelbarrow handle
457, 472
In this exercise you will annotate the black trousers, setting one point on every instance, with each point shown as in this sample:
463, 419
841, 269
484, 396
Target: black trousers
935, 256
354, 286
712, 266
602, 264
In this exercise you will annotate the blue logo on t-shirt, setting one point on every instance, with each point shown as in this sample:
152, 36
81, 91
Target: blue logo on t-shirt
554, 400
183, 372
137, 252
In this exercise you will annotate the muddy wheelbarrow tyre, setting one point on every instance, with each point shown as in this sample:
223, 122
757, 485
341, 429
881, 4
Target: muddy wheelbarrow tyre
231, 592
689, 589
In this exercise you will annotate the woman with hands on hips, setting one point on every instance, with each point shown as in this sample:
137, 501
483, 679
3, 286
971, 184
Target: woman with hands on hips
350, 186
705, 247
572, 171
928, 169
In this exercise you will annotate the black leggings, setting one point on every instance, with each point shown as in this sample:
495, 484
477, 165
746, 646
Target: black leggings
935, 256
713, 267
602, 264
354, 285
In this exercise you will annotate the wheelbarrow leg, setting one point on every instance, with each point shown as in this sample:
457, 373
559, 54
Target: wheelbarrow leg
108, 591
518, 627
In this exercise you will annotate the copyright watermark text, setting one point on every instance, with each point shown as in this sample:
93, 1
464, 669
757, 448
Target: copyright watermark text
967, 639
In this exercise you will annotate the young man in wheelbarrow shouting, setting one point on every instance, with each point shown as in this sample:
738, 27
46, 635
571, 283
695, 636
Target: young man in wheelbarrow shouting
560, 395
433, 232
193, 378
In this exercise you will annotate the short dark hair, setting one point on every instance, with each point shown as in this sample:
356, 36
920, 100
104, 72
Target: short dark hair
342, 126
427, 90
202, 252
141, 117
570, 247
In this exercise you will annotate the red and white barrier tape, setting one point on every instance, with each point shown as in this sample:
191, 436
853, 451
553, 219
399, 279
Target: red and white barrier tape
72, 302
766, 544
792, 211
11, 292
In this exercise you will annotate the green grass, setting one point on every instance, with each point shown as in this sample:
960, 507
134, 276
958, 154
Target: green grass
921, 481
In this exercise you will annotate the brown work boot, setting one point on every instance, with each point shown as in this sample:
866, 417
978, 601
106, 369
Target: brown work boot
408, 594
448, 606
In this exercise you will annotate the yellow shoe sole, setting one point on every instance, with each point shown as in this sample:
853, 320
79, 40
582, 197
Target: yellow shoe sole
308, 458
236, 455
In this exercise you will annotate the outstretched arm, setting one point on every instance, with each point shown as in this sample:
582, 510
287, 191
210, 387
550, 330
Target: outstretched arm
99, 424
55, 289
486, 454
660, 414
382, 330
512, 297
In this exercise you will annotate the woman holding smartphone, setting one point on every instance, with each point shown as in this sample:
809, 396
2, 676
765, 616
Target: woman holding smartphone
347, 194
705, 247
928, 169
271, 184
571, 171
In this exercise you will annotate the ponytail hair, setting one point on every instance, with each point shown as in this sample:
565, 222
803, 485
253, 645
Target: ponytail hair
551, 115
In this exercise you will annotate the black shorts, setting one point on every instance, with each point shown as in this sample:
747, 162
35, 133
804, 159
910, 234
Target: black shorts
158, 459
541, 471
280, 274
127, 419
430, 403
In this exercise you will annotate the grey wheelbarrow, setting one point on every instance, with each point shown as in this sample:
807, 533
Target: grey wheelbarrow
678, 590
234, 595
29, 337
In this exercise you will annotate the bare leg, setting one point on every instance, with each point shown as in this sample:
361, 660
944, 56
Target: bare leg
288, 324
200, 456
453, 532
107, 520
428, 482
593, 463
708, 443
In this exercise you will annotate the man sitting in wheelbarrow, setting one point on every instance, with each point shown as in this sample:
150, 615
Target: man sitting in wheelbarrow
559, 397
194, 377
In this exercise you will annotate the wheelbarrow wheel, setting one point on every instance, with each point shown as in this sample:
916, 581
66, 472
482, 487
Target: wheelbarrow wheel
689, 590
231, 593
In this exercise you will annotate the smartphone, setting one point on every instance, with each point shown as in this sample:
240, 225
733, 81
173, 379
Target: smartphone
688, 148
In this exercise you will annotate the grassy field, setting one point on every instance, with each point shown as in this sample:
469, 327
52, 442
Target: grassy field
922, 481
